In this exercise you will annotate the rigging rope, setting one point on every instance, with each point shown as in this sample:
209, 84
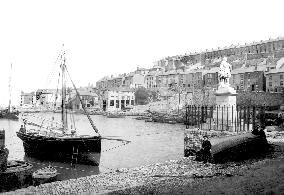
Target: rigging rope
56, 94
83, 106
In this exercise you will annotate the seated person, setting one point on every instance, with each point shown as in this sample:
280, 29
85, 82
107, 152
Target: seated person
23, 129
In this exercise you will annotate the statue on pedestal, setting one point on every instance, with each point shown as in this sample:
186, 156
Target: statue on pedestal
224, 73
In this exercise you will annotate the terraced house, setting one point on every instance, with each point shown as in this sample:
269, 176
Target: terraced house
275, 80
248, 79
256, 67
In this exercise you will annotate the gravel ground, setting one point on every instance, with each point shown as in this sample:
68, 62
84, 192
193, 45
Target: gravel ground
184, 176
263, 175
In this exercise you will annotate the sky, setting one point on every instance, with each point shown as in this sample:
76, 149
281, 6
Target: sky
110, 37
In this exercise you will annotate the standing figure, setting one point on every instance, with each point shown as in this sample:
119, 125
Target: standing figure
206, 149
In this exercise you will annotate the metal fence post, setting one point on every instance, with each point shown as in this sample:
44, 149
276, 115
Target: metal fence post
253, 117
217, 108
248, 118
211, 115
222, 118
244, 119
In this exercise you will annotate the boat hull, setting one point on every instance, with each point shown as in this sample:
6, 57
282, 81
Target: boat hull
63, 149
11, 116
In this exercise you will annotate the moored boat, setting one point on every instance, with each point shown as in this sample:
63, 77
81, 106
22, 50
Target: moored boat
115, 115
56, 141
44, 175
235, 147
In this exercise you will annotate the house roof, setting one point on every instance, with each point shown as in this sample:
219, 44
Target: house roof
212, 70
249, 69
279, 70
27, 94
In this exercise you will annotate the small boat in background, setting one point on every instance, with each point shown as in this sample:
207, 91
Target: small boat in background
10, 112
44, 175
115, 115
7, 114
149, 120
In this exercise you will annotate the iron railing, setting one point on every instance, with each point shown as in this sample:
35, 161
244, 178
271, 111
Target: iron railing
224, 118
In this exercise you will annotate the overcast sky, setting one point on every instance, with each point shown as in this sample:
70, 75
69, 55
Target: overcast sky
110, 37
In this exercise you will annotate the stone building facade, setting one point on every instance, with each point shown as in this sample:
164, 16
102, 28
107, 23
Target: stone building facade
211, 78
28, 99
248, 79
275, 80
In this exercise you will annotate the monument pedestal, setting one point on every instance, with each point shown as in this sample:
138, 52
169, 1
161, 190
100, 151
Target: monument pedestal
225, 113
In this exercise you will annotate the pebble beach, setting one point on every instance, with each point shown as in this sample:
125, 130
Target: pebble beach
169, 177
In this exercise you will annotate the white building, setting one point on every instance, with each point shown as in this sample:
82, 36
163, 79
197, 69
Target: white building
48, 98
117, 100
28, 100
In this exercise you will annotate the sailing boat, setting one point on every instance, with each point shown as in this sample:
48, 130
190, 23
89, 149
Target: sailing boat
9, 113
60, 142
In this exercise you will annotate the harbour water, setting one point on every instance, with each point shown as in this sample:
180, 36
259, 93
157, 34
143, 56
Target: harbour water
150, 143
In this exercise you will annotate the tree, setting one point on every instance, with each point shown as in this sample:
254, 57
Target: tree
144, 96
141, 96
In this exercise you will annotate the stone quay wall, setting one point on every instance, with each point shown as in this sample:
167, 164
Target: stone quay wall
260, 99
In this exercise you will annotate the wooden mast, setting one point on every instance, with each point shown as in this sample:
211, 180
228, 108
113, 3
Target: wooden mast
63, 93
9, 106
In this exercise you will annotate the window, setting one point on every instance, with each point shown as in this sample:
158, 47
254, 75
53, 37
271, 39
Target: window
132, 102
281, 76
117, 103
281, 83
111, 103
252, 87
270, 84
270, 77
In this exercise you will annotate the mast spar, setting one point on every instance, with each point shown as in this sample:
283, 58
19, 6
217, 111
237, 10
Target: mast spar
9, 106
63, 113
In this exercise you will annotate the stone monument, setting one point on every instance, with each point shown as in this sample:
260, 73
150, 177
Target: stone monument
225, 96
